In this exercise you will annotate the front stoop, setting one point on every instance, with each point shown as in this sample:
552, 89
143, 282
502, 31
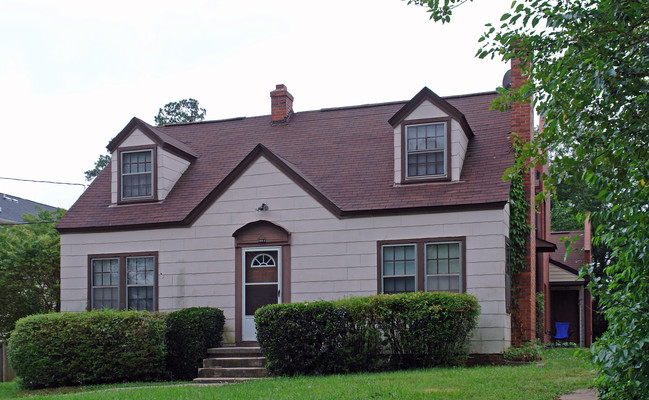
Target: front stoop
232, 364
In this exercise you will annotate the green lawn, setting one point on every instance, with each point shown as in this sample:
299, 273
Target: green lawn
560, 373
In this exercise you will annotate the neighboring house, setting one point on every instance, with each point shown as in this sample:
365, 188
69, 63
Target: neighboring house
301, 206
13, 208
570, 299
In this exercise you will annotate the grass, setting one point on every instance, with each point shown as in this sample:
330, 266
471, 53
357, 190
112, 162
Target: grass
561, 372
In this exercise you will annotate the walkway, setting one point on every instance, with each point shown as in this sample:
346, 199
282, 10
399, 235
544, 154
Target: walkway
581, 394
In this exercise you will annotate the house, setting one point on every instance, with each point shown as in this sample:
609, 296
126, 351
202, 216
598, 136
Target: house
570, 299
12, 208
301, 206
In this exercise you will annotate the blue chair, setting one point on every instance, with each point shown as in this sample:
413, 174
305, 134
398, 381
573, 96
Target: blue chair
562, 331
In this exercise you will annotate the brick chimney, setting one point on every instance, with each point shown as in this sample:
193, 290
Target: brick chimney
522, 125
281, 104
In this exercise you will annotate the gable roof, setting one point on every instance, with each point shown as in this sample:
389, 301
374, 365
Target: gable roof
427, 94
343, 157
160, 138
12, 208
568, 262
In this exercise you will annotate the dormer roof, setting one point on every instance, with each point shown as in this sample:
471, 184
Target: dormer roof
159, 137
427, 94
343, 157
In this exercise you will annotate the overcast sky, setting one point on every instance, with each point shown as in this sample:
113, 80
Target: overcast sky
73, 73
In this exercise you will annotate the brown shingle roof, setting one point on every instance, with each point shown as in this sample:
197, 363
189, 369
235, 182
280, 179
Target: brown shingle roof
575, 259
344, 157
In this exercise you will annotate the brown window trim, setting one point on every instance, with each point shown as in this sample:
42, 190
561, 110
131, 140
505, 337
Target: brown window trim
122, 276
154, 177
420, 248
404, 151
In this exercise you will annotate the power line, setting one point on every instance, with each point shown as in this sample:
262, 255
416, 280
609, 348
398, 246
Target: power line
27, 223
37, 181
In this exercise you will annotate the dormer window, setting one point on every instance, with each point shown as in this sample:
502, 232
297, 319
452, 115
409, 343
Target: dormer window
426, 154
137, 174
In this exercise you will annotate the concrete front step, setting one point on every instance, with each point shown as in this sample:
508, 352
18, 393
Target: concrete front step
239, 372
233, 362
222, 380
234, 352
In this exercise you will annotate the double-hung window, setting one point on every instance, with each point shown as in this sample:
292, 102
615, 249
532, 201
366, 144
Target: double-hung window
399, 268
422, 265
137, 174
123, 282
426, 150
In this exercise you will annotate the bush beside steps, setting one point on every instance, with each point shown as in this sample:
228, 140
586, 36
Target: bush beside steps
421, 329
50, 350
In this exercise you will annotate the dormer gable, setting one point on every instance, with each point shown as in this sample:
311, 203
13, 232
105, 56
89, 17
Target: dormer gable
430, 140
147, 163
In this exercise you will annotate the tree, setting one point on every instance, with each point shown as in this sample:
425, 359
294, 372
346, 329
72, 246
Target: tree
29, 268
588, 68
185, 110
100, 164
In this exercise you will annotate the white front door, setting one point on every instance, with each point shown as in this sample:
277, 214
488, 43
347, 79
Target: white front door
262, 270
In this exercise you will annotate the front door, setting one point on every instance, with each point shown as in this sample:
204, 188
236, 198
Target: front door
262, 268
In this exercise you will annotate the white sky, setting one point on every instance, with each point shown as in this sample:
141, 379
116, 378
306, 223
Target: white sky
73, 73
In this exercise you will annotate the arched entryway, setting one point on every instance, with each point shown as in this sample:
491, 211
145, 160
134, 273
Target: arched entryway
262, 273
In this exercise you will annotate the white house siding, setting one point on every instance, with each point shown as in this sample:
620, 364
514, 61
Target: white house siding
560, 275
330, 258
170, 169
459, 141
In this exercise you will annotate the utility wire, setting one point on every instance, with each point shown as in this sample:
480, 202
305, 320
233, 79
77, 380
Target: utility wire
52, 182
26, 223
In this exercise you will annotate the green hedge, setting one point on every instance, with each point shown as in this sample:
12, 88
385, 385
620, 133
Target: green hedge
190, 332
367, 333
48, 350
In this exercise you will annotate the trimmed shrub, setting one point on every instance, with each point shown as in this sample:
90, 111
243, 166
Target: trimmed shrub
367, 333
427, 329
302, 337
49, 350
190, 332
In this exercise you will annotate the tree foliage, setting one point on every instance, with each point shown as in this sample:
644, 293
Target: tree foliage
185, 110
588, 68
29, 268
100, 164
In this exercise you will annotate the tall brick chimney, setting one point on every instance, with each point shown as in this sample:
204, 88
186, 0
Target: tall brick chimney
522, 125
281, 104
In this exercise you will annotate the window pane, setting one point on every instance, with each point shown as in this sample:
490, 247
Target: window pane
410, 267
454, 250
388, 285
140, 271
388, 253
431, 284
454, 266
442, 266
105, 272
410, 252
104, 298
431, 267
442, 251
399, 267
140, 298
388, 268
